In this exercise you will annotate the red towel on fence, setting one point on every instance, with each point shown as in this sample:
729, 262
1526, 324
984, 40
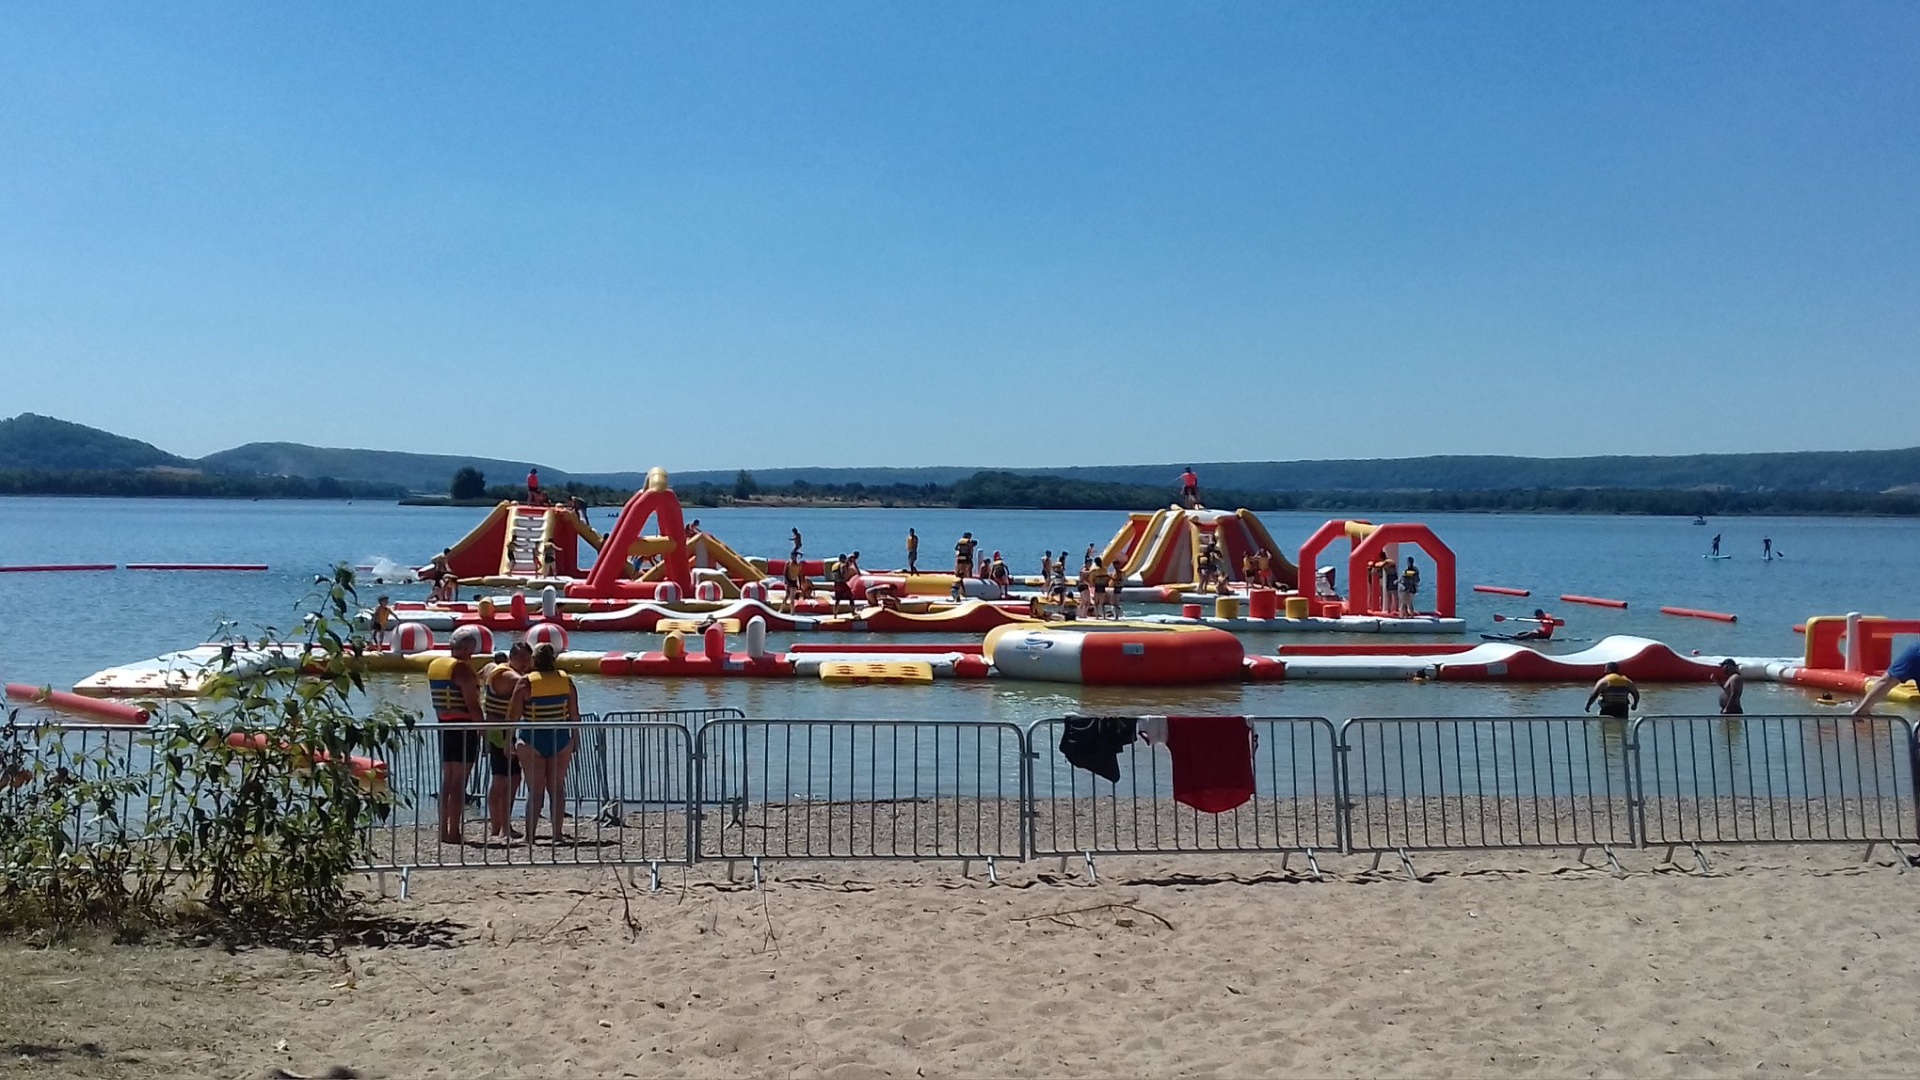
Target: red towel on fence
1212, 761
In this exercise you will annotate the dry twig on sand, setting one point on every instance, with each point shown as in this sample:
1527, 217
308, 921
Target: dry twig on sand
626, 906
1064, 917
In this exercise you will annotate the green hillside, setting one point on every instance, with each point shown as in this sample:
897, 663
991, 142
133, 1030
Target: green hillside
429, 473
38, 443
31, 441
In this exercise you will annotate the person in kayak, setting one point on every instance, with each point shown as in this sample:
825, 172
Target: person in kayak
1542, 630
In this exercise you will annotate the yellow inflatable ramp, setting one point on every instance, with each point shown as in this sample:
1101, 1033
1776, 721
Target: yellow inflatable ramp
882, 672
695, 626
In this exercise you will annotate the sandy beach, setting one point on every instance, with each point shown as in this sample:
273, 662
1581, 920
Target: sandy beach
1781, 961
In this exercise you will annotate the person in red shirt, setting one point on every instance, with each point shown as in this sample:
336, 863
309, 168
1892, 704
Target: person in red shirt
1189, 488
533, 486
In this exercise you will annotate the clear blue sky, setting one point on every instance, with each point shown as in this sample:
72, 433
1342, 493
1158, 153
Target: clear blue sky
720, 235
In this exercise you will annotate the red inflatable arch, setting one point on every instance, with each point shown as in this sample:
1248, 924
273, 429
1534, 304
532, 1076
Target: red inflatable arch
1368, 542
608, 577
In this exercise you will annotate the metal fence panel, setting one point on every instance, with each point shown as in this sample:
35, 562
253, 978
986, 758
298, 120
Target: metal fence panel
720, 750
1295, 804
1482, 782
859, 789
1775, 779
627, 799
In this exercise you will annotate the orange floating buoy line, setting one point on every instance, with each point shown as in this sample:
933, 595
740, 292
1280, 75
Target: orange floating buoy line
1502, 590
196, 566
1696, 613
1596, 601
106, 712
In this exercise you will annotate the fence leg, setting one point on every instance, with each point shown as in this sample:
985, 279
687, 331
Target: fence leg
993, 872
380, 878
653, 877
1315, 863
406, 881
757, 883
1092, 876
1701, 858
1868, 855
1406, 863
1618, 870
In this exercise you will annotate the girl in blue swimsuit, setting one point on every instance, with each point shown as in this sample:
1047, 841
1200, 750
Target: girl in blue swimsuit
545, 696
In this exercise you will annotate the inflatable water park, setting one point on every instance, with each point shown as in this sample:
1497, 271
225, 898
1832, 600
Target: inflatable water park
1170, 601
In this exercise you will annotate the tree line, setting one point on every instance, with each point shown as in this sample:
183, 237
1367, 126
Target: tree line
141, 483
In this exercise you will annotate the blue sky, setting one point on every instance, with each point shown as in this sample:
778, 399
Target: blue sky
711, 236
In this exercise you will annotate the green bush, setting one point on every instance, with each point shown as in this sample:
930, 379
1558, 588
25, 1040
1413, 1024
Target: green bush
261, 834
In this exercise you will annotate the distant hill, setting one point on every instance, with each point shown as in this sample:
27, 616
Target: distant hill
428, 473
31, 441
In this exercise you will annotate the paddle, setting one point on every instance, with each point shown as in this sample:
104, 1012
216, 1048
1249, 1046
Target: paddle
1528, 618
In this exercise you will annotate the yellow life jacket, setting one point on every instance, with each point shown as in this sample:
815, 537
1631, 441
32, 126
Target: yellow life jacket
1411, 575
547, 695
448, 703
493, 703
1615, 688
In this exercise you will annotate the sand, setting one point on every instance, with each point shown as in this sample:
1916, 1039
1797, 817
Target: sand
1781, 961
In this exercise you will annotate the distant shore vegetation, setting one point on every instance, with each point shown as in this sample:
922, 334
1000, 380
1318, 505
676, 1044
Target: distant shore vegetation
984, 490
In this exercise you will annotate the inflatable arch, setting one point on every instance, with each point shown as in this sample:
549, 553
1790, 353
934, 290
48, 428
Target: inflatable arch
1369, 543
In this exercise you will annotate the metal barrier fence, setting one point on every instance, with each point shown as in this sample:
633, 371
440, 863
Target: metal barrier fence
698, 785
1774, 779
1432, 783
1155, 804
626, 796
861, 789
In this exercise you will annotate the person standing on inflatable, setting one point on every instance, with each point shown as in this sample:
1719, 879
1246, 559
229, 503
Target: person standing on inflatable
1189, 489
533, 486
1905, 668
454, 687
1615, 693
913, 552
795, 557
963, 555
1410, 589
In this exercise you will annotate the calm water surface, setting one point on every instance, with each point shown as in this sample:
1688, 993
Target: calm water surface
58, 628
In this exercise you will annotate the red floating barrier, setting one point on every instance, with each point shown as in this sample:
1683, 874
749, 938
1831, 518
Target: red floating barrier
107, 712
1696, 613
1502, 590
863, 647
57, 568
1596, 601
195, 566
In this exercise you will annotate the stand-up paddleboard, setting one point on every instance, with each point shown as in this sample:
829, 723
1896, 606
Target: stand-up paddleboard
1716, 556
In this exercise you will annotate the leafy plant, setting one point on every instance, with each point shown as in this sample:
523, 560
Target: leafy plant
253, 808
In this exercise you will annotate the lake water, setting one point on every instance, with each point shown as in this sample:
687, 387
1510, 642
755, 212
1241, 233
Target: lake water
58, 628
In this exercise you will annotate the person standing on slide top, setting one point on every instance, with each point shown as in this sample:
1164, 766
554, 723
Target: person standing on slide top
1905, 668
913, 552
1189, 489
533, 487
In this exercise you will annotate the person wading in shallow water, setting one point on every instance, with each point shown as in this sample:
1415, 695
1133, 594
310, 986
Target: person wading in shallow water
1616, 694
